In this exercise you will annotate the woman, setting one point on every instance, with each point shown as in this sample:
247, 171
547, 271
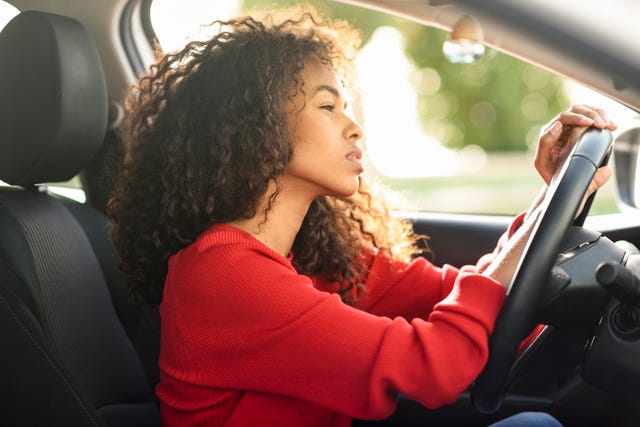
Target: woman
288, 294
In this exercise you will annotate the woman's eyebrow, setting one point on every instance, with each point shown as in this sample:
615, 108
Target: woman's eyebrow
330, 89
327, 88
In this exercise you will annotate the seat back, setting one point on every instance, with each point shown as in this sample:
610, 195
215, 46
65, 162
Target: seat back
65, 357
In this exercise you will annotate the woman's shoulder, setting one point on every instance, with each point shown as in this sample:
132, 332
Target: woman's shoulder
225, 261
225, 245
222, 235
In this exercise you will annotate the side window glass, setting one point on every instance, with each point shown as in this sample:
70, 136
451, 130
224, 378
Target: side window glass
7, 12
445, 137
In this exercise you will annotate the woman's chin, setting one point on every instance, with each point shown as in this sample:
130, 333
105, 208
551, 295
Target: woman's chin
346, 192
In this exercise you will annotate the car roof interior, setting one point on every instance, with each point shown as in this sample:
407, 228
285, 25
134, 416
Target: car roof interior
550, 47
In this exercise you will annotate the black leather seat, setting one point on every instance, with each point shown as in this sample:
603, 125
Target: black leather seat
65, 357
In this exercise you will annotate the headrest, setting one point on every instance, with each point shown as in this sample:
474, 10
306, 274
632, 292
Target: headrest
53, 99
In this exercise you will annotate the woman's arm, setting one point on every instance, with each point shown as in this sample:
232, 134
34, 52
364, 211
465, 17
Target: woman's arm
412, 290
263, 327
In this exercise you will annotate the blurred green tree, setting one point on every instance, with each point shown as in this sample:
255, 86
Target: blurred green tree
498, 103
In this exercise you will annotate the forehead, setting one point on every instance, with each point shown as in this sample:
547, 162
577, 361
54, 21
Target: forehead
315, 73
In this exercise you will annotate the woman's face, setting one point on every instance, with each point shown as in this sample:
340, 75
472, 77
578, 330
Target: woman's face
325, 160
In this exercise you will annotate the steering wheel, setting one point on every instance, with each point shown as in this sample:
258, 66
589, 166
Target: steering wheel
514, 322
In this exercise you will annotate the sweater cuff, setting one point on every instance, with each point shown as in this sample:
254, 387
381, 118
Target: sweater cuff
476, 296
449, 276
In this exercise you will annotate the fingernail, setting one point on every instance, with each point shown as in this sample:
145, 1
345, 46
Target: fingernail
600, 122
555, 128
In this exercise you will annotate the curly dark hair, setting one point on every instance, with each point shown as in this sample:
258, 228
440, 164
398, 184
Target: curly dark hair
206, 135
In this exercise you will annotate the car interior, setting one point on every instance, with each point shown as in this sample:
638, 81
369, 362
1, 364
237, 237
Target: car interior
77, 350
58, 315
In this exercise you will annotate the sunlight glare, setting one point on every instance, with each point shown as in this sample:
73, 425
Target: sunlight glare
7, 12
178, 22
396, 144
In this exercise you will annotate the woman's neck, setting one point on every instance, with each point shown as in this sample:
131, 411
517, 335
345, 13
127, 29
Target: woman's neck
278, 229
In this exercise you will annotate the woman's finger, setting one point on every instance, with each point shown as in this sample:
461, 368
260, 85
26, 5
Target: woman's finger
601, 176
595, 113
585, 115
585, 118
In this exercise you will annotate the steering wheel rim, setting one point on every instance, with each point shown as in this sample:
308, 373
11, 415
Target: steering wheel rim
516, 316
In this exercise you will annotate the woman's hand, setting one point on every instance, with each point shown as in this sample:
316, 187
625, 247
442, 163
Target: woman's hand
559, 136
556, 140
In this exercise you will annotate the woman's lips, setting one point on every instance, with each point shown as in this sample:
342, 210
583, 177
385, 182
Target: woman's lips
355, 157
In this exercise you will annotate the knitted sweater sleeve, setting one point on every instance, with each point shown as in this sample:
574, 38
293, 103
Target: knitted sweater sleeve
412, 289
242, 318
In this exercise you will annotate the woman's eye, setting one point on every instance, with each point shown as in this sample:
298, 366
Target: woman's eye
329, 107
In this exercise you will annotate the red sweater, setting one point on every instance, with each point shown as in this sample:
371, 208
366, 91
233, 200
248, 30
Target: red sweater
247, 341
